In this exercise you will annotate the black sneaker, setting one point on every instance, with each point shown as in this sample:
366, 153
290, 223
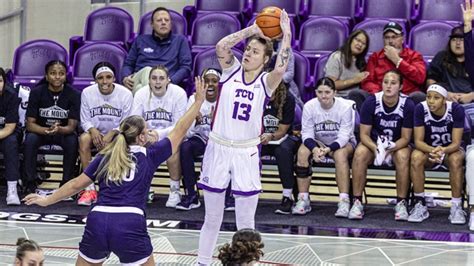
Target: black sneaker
285, 206
189, 202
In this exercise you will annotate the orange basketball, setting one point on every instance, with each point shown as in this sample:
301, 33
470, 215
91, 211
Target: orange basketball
268, 20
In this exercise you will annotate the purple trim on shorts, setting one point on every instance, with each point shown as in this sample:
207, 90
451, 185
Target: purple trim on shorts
246, 193
211, 189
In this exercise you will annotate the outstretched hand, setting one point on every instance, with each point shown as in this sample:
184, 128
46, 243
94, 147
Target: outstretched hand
33, 198
201, 88
467, 15
467, 11
285, 23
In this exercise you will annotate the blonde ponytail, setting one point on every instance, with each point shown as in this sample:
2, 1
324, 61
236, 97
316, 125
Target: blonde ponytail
117, 160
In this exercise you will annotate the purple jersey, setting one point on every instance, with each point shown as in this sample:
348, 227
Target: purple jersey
385, 120
133, 190
438, 130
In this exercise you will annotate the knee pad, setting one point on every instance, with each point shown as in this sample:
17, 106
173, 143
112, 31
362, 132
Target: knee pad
302, 172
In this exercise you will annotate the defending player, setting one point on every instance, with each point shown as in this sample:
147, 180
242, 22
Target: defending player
124, 170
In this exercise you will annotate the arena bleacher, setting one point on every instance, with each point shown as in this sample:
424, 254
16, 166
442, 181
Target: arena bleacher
320, 27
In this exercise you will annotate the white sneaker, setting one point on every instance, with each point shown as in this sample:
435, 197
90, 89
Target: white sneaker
419, 213
301, 207
357, 211
456, 214
173, 199
12, 197
401, 212
343, 208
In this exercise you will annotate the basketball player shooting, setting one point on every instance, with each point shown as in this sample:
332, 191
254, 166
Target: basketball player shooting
232, 153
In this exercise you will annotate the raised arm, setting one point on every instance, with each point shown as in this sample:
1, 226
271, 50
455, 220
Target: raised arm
468, 43
276, 75
183, 124
224, 46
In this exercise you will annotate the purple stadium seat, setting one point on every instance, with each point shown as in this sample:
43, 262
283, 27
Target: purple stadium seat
434, 33
210, 28
291, 6
178, 23
344, 10
318, 73
201, 7
31, 57
374, 28
111, 24
302, 75
89, 55
399, 11
446, 10
205, 59
321, 35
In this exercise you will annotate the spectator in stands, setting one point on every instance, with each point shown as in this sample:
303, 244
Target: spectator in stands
245, 249
394, 55
347, 64
439, 127
469, 64
278, 140
328, 131
28, 253
162, 47
10, 137
197, 137
103, 106
289, 73
162, 104
51, 118
386, 126
448, 68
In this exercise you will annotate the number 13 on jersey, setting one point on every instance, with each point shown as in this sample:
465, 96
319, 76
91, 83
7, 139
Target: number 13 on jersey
241, 111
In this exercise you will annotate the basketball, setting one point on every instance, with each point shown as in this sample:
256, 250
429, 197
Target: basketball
268, 20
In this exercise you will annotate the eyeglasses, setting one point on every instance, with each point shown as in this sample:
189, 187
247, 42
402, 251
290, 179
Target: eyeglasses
392, 37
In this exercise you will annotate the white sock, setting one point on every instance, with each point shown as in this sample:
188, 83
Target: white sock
12, 185
421, 195
456, 201
90, 187
343, 196
174, 185
287, 192
304, 195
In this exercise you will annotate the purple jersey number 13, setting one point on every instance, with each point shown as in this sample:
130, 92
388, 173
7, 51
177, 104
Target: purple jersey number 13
245, 113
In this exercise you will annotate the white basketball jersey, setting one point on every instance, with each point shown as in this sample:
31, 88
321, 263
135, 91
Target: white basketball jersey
240, 106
